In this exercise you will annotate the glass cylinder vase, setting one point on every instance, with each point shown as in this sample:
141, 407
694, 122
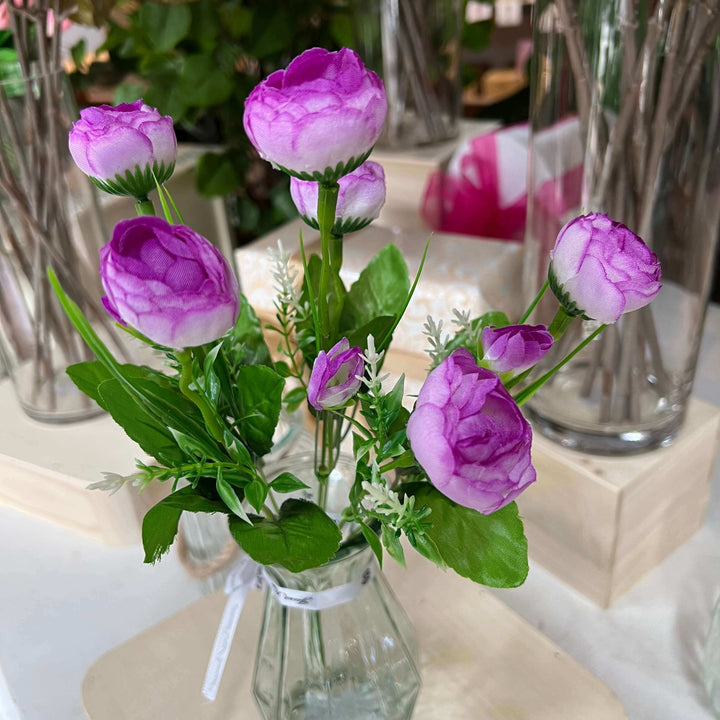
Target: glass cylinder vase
49, 218
414, 45
625, 120
355, 660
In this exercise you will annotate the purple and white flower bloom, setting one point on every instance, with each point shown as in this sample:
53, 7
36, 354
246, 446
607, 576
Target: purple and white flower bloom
361, 196
514, 348
600, 269
319, 118
469, 435
168, 282
336, 376
121, 147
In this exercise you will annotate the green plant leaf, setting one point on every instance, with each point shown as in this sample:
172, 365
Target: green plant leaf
294, 399
255, 493
488, 549
152, 436
259, 396
203, 83
381, 290
373, 541
301, 537
287, 482
164, 25
229, 497
216, 175
246, 342
160, 524
391, 541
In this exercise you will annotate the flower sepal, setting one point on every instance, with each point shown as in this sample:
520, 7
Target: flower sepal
329, 175
137, 183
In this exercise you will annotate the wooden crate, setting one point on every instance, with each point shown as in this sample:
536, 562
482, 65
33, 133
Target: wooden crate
601, 523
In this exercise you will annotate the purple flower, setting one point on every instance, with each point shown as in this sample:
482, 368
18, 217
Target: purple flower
600, 269
515, 347
469, 435
168, 282
335, 376
120, 147
360, 198
319, 118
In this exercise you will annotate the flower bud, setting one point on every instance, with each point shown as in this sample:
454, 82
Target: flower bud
360, 198
600, 269
121, 147
168, 282
514, 348
319, 118
336, 376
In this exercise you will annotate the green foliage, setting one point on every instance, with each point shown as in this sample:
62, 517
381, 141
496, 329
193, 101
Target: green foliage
258, 392
160, 524
301, 537
199, 59
380, 290
488, 549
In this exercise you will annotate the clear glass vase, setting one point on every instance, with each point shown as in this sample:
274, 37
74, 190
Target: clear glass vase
49, 218
625, 119
357, 660
414, 45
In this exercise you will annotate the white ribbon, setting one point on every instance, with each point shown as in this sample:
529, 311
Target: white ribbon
247, 574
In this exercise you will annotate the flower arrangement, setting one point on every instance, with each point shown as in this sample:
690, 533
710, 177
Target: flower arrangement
443, 475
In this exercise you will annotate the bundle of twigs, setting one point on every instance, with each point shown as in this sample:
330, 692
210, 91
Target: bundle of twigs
662, 61
36, 229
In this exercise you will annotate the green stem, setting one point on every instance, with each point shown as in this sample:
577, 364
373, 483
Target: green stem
336, 252
327, 202
186, 377
144, 206
530, 390
532, 305
560, 323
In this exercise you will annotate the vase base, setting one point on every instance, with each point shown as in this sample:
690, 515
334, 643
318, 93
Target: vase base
622, 441
343, 698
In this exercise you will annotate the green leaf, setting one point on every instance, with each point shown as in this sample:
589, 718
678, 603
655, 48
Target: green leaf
160, 524
282, 369
164, 25
391, 541
294, 399
152, 436
236, 20
381, 289
255, 493
373, 541
227, 493
203, 83
216, 175
246, 342
287, 482
301, 537
259, 397
427, 547
378, 327
494, 317
488, 549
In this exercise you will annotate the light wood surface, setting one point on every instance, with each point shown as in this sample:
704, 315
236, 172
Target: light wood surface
480, 661
601, 523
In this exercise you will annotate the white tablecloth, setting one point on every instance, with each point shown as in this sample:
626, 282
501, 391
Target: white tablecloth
65, 600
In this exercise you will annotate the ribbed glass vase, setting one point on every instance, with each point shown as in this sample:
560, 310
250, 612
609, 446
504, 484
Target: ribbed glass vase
356, 660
